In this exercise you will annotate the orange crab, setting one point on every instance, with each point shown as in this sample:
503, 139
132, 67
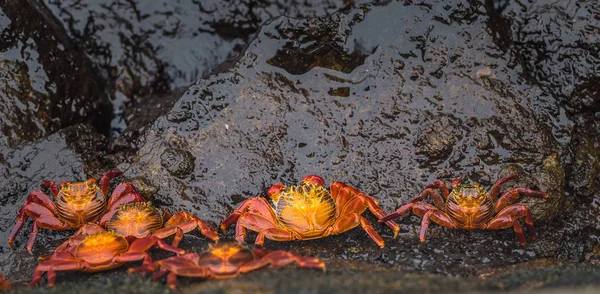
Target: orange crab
4, 284
141, 219
223, 261
306, 212
76, 203
471, 207
93, 249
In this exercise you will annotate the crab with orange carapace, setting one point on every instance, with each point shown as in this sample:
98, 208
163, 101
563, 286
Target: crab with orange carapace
93, 249
76, 203
4, 284
141, 219
307, 211
223, 261
471, 207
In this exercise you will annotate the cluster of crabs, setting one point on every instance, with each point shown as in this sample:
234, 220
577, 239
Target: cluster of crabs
122, 228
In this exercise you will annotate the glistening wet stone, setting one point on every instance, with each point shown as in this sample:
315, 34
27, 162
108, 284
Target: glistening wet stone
148, 49
433, 98
46, 83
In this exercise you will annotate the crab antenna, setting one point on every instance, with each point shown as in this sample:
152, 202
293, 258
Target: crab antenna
456, 182
275, 191
312, 179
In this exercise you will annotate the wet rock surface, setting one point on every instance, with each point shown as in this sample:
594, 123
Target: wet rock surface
387, 98
150, 49
47, 84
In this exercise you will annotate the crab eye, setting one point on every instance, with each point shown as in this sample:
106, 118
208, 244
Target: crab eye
91, 183
64, 186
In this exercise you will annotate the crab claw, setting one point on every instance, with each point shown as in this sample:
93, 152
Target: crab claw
455, 182
275, 191
312, 179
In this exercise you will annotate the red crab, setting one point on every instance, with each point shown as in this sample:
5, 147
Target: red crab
93, 249
471, 207
141, 219
4, 284
306, 212
223, 261
76, 203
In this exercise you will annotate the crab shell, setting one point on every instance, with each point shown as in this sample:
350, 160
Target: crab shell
224, 261
138, 219
98, 250
142, 219
306, 211
80, 202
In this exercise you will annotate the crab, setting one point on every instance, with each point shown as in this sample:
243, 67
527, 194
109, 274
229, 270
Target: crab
76, 203
223, 261
306, 212
93, 249
4, 284
471, 208
141, 219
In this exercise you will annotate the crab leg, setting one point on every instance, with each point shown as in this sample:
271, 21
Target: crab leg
431, 213
4, 284
261, 218
275, 234
510, 216
38, 198
144, 244
351, 200
496, 187
158, 275
105, 181
60, 261
235, 215
433, 195
428, 212
511, 196
443, 187
351, 203
183, 265
32, 236
378, 212
350, 221
240, 233
45, 219
424, 226
124, 193
51, 267
404, 209
280, 259
172, 280
178, 222
256, 222
49, 184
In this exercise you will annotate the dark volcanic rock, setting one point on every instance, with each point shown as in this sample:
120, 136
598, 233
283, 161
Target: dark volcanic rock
429, 97
150, 48
47, 84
